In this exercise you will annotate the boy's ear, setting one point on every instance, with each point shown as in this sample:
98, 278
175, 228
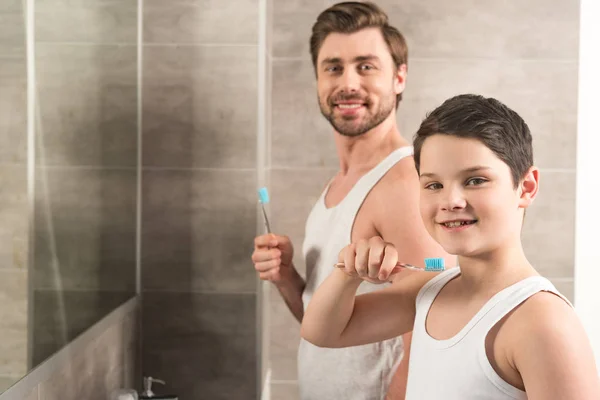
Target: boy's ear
528, 187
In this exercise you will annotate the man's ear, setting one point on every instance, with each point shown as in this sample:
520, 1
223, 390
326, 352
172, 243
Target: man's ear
528, 187
400, 79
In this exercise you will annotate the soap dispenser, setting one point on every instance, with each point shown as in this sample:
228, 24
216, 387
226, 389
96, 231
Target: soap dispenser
149, 394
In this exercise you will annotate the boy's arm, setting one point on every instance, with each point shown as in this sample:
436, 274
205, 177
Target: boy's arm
336, 317
552, 352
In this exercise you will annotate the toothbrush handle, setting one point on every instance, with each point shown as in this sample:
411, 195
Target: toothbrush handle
399, 267
266, 219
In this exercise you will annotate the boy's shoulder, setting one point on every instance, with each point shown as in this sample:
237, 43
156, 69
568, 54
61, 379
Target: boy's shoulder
541, 312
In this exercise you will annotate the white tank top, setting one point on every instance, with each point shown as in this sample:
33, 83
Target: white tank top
354, 373
458, 368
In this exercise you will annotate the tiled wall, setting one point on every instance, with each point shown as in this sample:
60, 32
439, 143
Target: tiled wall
13, 195
99, 362
523, 53
86, 166
199, 180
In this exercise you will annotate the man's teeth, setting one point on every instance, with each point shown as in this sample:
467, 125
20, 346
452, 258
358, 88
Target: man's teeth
456, 224
349, 105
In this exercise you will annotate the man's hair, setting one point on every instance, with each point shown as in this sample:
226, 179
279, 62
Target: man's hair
488, 120
352, 16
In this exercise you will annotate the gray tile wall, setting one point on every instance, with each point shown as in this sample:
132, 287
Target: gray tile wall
523, 54
199, 196
92, 370
13, 195
86, 161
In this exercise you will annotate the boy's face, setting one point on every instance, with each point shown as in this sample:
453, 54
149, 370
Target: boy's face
468, 201
357, 81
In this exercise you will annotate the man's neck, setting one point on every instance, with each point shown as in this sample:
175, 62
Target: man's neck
367, 150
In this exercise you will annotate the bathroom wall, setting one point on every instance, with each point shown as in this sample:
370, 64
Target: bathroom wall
100, 361
523, 53
13, 195
86, 166
199, 197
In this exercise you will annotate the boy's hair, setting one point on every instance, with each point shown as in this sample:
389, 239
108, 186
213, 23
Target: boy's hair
488, 120
353, 16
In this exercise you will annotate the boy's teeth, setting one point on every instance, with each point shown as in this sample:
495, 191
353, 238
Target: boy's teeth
455, 224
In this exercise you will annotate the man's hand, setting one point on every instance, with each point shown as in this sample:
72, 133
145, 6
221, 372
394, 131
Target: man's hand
272, 257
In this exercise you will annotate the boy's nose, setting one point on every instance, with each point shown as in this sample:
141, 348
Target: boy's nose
454, 200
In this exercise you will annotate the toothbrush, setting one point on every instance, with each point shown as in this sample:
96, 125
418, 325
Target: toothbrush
431, 265
263, 198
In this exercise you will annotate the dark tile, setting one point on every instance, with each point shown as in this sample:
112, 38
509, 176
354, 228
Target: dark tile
87, 105
203, 346
195, 21
85, 229
13, 110
59, 317
200, 106
13, 322
14, 217
198, 230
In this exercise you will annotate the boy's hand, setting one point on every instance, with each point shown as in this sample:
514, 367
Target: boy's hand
371, 260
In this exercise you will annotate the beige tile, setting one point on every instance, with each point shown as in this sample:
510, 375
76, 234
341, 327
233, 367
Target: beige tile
566, 287
548, 232
92, 374
198, 232
13, 322
34, 395
195, 21
107, 21
500, 30
545, 95
14, 218
292, 26
85, 223
431, 82
285, 391
200, 106
13, 121
87, 105
301, 136
12, 31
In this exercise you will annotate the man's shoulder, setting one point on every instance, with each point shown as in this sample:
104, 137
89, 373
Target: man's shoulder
402, 176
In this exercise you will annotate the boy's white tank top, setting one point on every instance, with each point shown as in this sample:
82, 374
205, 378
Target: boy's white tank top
354, 373
458, 368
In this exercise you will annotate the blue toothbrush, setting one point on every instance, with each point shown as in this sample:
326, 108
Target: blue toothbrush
263, 198
431, 265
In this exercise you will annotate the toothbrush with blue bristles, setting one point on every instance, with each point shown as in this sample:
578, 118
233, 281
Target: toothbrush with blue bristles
263, 198
431, 265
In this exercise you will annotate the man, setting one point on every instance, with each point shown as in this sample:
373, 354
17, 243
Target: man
360, 63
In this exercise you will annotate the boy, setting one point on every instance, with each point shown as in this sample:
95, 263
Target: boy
492, 328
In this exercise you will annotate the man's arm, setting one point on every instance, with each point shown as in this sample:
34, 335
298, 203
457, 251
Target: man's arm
272, 257
550, 350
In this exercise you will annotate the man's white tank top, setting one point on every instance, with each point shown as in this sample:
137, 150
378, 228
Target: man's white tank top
354, 373
458, 368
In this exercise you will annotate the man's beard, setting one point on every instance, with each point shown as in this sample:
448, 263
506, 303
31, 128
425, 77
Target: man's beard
347, 126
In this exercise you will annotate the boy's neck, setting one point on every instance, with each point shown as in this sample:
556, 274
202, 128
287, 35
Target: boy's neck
491, 272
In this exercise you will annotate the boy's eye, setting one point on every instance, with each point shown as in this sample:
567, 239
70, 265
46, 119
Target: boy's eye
433, 186
476, 181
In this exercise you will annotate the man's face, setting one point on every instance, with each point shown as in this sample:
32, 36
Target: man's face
357, 81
